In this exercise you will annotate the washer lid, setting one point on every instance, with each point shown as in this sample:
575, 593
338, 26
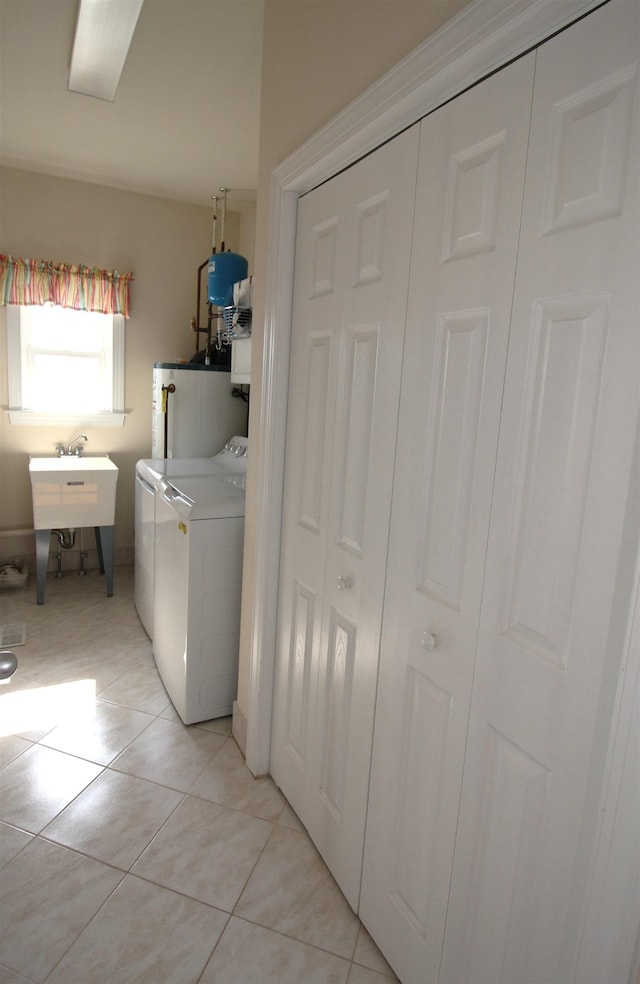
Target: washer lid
206, 497
232, 458
155, 469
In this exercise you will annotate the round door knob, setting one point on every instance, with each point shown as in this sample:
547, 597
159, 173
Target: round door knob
429, 640
344, 583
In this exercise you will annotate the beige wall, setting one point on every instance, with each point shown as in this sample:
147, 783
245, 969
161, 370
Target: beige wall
163, 242
318, 56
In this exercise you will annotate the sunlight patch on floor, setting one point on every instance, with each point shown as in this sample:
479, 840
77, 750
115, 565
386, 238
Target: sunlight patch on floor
46, 707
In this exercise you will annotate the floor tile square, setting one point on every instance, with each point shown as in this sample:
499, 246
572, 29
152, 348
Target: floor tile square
144, 934
11, 746
39, 783
206, 851
221, 726
227, 780
101, 735
292, 891
368, 955
254, 955
139, 687
49, 894
12, 841
170, 753
364, 975
115, 819
288, 818
8, 977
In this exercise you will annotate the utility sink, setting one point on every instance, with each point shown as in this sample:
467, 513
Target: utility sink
73, 491
69, 492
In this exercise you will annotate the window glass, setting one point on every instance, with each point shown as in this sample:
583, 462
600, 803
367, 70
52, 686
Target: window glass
65, 363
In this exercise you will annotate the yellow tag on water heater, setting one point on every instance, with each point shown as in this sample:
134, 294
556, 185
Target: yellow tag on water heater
182, 527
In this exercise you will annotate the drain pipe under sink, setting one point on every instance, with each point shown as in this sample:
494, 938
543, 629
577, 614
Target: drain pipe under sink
66, 543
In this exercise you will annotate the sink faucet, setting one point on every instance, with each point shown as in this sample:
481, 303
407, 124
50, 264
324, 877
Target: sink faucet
72, 449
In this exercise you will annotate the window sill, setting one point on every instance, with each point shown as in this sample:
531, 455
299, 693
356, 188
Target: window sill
29, 418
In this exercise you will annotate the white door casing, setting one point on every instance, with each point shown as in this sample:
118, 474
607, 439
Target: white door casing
354, 247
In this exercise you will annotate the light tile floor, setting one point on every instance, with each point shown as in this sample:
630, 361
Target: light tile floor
134, 848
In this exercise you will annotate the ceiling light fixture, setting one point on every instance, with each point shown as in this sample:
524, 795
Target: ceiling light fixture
103, 34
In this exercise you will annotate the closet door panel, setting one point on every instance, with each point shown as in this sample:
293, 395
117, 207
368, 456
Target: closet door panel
552, 629
376, 272
469, 199
352, 271
461, 344
315, 343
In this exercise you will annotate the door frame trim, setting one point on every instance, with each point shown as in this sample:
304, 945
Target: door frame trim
483, 38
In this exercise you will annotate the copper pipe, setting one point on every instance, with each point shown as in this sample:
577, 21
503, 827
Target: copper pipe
197, 317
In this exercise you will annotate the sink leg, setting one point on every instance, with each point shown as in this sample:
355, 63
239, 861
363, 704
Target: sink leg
43, 540
104, 543
99, 548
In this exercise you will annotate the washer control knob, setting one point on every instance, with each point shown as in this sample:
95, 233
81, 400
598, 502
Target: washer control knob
429, 641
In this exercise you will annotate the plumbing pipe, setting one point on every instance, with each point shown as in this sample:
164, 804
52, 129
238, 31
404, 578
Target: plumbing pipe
66, 542
224, 217
170, 388
196, 321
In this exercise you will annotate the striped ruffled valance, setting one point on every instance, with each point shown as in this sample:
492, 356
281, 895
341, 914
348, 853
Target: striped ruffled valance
80, 287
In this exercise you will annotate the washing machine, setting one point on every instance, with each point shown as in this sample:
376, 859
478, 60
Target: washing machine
198, 544
150, 472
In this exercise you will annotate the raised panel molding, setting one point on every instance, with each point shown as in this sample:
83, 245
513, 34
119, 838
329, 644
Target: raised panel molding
323, 267
311, 483
503, 868
298, 681
338, 701
355, 441
587, 161
563, 375
370, 239
471, 213
427, 713
461, 343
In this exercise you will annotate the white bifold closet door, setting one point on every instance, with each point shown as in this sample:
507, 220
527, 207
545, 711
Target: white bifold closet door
468, 206
556, 592
500, 657
352, 269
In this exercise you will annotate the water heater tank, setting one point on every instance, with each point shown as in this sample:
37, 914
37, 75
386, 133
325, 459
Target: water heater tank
225, 269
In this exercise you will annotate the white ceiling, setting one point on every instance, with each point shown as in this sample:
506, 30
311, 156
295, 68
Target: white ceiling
185, 119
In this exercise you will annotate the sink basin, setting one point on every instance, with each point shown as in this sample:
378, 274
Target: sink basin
73, 491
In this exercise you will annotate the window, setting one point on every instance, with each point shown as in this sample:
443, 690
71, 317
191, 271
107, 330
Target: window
65, 365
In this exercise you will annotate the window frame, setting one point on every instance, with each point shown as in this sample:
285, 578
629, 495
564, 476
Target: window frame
18, 415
